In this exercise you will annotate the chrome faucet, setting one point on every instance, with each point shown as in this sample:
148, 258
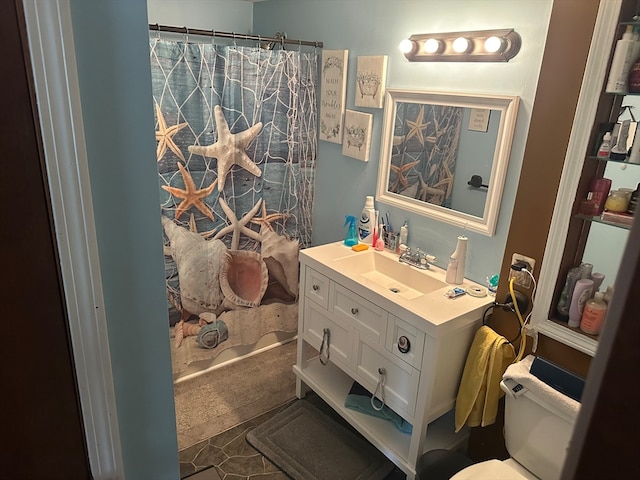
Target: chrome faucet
416, 258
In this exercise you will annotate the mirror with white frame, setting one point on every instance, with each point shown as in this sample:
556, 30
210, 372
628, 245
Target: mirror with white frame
445, 155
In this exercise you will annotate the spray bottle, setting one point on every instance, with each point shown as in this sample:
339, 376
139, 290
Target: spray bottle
352, 234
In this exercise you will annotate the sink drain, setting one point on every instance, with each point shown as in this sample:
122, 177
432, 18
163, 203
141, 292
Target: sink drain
395, 290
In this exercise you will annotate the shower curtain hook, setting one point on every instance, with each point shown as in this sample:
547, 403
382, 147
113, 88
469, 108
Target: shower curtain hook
157, 31
299, 46
259, 41
186, 34
235, 43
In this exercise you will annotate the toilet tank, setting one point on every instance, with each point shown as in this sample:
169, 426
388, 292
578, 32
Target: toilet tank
537, 434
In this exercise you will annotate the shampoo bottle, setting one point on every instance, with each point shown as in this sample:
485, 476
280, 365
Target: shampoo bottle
581, 294
593, 315
366, 221
623, 58
455, 269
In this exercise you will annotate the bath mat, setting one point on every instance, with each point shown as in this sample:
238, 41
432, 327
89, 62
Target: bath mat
307, 444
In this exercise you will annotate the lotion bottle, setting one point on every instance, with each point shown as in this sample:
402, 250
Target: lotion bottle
455, 269
366, 221
593, 315
623, 58
581, 294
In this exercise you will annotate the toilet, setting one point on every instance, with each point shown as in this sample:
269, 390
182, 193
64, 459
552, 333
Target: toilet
537, 431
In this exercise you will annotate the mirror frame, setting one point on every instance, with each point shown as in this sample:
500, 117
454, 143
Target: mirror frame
507, 105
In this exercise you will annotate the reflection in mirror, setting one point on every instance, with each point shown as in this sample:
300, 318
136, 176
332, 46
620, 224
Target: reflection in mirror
438, 147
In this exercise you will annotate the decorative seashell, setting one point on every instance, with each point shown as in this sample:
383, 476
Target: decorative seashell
285, 252
199, 263
185, 329
178, 333
211, 335
207, 317
244, 278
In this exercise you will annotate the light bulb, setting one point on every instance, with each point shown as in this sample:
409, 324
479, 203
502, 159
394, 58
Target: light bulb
407, 45
432, 45
461, 45
493, 44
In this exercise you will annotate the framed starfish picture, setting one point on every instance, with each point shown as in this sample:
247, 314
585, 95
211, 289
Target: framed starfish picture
356, 142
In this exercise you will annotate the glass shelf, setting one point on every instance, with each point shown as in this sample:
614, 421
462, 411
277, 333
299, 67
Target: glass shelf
598, 219
621, 162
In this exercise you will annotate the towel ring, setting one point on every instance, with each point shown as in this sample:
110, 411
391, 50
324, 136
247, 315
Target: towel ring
484, 321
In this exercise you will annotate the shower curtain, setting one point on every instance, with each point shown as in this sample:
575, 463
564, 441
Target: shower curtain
236, 148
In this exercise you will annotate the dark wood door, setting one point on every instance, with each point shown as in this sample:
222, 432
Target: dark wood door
41, 429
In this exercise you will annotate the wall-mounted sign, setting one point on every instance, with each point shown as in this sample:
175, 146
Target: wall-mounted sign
333, 85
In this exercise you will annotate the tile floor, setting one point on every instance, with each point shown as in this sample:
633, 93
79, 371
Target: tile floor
234, 459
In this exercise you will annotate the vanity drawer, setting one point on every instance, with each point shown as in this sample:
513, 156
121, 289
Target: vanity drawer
365, 316
410, 348
340, 339
316, 287
401, 380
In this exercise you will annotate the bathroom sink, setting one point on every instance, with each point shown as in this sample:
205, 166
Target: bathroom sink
387, 272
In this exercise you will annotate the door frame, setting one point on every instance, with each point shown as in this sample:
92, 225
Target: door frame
53, 61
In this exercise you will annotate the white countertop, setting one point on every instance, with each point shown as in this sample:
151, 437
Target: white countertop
441, 313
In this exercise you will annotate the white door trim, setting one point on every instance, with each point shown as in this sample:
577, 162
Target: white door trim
50, 37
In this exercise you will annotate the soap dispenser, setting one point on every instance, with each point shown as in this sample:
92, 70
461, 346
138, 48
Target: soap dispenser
455, 269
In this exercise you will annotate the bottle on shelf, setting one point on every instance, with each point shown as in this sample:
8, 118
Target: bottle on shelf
593, 315
623, 57
598, 193
605, 146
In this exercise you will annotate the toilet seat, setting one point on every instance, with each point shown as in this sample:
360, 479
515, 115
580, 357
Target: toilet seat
491, 469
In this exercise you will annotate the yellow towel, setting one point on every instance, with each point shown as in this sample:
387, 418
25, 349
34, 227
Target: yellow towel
489, 356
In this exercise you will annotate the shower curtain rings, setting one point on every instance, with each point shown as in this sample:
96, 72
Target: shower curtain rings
157, 31
235, 43
186, 34
213, 37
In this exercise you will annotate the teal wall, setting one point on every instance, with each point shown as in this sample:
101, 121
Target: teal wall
376, 27
111, 42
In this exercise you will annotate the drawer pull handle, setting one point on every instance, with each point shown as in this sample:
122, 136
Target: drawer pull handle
404, 345
315, 287
382, 373
354, 311
324, 347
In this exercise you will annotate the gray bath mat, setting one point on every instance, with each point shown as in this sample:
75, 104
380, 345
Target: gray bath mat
306, 444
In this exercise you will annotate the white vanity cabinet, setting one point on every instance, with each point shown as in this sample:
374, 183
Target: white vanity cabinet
364, 322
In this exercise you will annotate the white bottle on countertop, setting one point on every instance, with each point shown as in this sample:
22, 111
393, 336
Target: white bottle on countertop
366, 221
455, 269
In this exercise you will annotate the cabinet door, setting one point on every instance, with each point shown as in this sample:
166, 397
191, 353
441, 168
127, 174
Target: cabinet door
340, 343
401, 380
411, 341
365, 316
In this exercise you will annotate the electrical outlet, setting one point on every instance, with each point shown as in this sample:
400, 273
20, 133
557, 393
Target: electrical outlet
522, 278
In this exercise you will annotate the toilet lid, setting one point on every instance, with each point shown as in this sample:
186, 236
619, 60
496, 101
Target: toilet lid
491, 469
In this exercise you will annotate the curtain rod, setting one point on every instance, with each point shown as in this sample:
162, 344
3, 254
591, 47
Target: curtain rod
232, 35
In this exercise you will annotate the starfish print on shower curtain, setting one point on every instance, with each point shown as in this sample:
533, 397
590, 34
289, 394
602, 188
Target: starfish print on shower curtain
191, 196
165, 135
266, 220
230, 148
400, 171
238, 226
416, 127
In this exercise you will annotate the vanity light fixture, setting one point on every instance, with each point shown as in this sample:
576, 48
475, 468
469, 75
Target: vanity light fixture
473, 46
